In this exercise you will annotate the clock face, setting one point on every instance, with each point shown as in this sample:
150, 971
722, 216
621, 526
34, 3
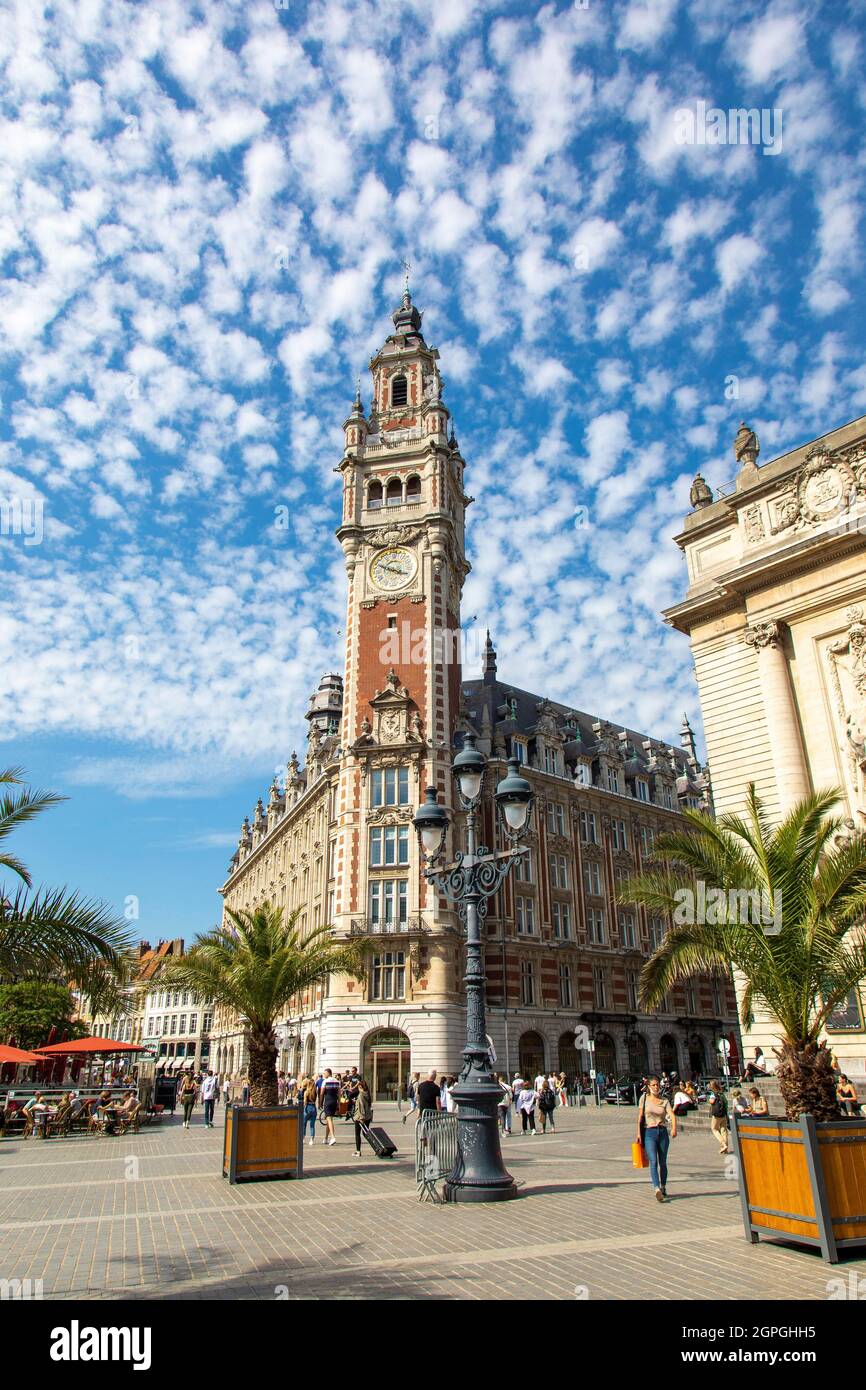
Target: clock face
393, 568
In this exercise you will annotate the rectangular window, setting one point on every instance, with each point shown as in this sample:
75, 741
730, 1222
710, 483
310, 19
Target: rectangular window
388, 976
165, 1022
642, 790
551, 760
565, 998
174, 1023
523, 868
620, 834
558, 871
389, 844
390, 786
647, 841
631, 989
612, 779
561, 921
595, 925
716, 996
599, 985
691, 997
656, 932
193, 1023
527, 983
525, 915
182, 1028
588, 830
555, 818
518, 750
389, 903
592, 878
626, 931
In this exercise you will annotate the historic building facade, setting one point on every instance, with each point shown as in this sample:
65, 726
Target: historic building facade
336, 841
776, 613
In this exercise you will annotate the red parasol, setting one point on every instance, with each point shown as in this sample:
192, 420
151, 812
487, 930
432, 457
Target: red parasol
77, 1046
16, 1057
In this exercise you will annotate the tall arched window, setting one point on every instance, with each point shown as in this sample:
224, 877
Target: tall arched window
413, 489
374, 495
399, 391
394, 493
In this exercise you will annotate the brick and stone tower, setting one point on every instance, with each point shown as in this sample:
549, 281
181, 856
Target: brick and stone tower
402, 535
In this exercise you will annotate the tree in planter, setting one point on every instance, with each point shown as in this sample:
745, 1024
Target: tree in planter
253, 965
50, 932
801, 961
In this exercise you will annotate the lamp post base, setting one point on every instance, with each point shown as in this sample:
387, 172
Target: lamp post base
479, 1175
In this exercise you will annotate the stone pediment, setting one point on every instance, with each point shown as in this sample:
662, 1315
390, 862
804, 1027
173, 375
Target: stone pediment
396, 719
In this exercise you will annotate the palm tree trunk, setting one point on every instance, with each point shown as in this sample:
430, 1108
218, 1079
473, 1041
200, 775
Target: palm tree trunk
263, 1068
806, 1080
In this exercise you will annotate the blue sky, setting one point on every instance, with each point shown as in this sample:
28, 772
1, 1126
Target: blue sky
203, 211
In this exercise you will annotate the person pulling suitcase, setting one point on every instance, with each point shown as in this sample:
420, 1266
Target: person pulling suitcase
362, 1113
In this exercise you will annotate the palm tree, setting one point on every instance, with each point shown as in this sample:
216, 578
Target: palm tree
253, 965
50, 932
801, 962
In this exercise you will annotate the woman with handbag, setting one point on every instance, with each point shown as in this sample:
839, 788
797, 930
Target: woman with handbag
362, 1113
719, 1116
186, 1096
546, 1105
656, 1126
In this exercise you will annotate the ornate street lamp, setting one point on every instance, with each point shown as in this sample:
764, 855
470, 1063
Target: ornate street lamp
479, 1175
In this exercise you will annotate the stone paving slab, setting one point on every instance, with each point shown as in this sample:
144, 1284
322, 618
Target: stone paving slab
149, 1216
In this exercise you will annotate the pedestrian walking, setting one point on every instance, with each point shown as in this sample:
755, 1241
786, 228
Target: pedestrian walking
719, 1116
526, 1105
309, 1094
546, 1106
209, 1093
656, 1127
362, 1113
187, 1096
329, 1095
412, 1094
562, 1088
245, 1091
227, 1091
505, 1106
429, 1094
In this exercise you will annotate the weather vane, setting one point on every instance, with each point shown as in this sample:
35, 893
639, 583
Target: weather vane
406, 268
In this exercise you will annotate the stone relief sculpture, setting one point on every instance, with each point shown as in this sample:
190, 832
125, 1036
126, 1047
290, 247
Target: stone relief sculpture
847, 659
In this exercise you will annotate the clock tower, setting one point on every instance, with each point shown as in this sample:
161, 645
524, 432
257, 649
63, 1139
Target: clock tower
402, 535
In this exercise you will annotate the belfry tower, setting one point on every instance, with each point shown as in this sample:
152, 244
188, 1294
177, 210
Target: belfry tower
402, 535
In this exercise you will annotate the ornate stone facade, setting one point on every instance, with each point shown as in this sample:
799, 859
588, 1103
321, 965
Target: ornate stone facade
775, 612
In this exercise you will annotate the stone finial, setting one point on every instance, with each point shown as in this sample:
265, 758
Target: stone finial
746, 446
700, 494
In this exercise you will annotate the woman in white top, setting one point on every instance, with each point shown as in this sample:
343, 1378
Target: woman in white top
682, 1102
526, 1105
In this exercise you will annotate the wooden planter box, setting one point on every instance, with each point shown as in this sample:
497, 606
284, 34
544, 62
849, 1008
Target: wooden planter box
803, 1181
262, 1141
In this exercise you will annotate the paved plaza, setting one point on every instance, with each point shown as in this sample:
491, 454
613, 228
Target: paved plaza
148, 1216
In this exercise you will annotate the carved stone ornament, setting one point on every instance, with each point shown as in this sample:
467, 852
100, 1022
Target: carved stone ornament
824, 486
382, 536
765, 634
753, 524
382, 815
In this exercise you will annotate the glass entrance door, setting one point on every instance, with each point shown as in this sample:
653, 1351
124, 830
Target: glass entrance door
385, 1064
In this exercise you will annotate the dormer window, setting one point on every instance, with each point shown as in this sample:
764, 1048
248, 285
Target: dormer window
374, 495
399, 390
413, 489
394, 493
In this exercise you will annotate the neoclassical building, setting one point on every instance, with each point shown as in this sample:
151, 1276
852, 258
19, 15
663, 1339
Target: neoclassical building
776, 614
335, 841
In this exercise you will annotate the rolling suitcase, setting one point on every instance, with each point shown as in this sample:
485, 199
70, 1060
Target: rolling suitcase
382, 1146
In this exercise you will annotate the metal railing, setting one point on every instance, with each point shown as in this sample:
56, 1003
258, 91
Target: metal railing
435, 1151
